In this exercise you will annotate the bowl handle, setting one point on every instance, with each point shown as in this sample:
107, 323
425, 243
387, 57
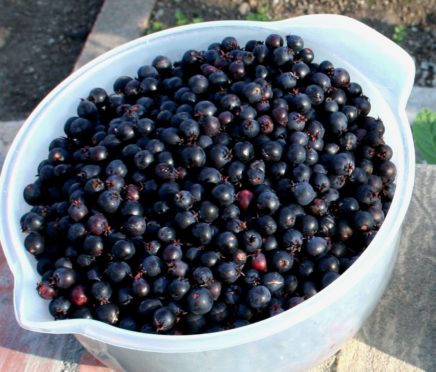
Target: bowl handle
390, 69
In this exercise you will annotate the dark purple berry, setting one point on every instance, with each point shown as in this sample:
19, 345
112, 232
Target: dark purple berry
108, 313
259, 297
199, 301
59, 307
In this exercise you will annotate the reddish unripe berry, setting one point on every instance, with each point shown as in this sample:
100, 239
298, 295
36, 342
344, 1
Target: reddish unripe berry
78, 296
259, 262
46, 291
244, 198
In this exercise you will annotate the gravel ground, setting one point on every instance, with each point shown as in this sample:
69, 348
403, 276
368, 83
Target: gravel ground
417, 19
39, 44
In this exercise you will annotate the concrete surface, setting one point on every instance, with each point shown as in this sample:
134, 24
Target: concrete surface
400, 335
4, 34
8, 130
117, 23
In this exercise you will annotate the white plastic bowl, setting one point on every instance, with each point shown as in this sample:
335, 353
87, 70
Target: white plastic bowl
294, 340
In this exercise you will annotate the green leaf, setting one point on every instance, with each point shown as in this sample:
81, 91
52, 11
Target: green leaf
261, 14
424, 134
197, 20
181, 18
157, 26
400, 33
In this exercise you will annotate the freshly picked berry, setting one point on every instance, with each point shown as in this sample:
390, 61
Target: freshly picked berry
208, 193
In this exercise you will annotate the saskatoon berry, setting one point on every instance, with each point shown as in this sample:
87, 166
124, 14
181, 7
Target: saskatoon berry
166, 234
281, 261
178, 288
134, 226
118, 271
228, 272
227, 242
177, 268
203, 276
78, 295
193, 157
32, 222
328, 263
34, 243
185, 219
163, 319
268, 202
251, 240
199, 301
107, 313
316, 246
209, 193
308, 288
218, 313
123, 249
224, 193
101, 291
273, 281
109, 201
152, 266
64, 278
267, 225
259, 297
46, 290
59, 307
328, 278
209, 258
140, 288
202, 232
270, 243
304, 193
292, 239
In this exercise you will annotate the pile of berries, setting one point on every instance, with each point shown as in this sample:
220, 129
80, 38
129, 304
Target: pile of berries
210, 193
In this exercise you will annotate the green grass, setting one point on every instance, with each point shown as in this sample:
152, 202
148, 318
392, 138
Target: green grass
156, 26
424, 135
181, 19
400, 33
261, 14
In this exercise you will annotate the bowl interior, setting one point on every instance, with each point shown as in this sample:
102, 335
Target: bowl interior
47, 121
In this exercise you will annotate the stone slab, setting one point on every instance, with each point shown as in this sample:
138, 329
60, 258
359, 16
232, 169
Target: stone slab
400, 334
117, 23
404, 323
8, 130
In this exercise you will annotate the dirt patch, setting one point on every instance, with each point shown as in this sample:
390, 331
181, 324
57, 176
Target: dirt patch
40, 40
39, 44
410, 23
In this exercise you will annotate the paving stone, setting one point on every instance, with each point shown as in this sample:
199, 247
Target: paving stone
117, 23
8, 130
4, 34
357, 356
400, 334
404, 323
